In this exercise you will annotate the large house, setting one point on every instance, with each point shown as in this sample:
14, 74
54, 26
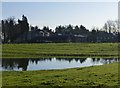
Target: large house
80, 38
30, 35
38, 33
106, 37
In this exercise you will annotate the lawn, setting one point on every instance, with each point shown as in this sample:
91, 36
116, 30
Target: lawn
101, 76
60, 50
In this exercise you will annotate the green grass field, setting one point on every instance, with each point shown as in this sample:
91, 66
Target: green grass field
100, 76
60, 50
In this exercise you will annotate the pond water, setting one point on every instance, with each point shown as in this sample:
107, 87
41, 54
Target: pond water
52, 63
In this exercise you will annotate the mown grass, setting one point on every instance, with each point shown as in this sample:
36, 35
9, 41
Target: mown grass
60, 50
101, 76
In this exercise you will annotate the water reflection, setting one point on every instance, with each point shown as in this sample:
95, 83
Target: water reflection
52, 63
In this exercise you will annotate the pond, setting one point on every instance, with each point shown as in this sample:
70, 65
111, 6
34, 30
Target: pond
51, 63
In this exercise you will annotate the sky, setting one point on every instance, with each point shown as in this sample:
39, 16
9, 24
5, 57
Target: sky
53, 14
59, 0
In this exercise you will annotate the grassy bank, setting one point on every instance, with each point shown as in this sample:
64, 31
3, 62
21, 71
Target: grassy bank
101, 76
60, 50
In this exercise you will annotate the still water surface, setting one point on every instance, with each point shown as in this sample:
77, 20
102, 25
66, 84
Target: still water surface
52, 63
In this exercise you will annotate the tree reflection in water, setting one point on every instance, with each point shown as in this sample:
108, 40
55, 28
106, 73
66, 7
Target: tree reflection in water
11, 64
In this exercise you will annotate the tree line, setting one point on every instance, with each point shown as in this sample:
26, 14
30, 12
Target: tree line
11, 29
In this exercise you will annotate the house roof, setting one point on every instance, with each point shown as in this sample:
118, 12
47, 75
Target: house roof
80, 35
38, 30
